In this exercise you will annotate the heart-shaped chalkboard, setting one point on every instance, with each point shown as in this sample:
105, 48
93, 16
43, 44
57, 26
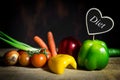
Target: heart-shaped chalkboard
96, 23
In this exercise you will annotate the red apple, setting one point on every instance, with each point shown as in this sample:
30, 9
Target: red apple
69, 45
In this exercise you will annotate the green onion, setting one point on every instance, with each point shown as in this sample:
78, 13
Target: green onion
13, 40
17, 44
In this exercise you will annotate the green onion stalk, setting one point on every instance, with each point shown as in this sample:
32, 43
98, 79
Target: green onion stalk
113, 52
17, 44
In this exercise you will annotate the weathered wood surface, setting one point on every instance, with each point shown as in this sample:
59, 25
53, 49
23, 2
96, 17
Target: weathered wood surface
111, 72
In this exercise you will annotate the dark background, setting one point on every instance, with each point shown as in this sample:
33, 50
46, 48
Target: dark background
23, 19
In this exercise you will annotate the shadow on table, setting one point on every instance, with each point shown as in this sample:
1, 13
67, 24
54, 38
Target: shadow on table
2, 61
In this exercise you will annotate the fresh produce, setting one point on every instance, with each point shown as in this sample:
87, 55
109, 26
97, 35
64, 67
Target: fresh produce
58, 63
93, 55
31, 51
43, 45
38, 60
11, 57
17, 44
24, 58
113, 52
51, 44
69, 45
40, 42
47, 53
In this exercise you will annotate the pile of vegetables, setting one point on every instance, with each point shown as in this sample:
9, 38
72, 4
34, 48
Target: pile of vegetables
90, 55
26, 54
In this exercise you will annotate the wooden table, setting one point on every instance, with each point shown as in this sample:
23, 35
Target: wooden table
111, 72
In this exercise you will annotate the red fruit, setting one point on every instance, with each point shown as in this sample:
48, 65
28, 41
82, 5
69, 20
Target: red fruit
69, 45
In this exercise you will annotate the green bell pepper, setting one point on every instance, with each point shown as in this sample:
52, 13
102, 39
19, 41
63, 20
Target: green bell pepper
93, 54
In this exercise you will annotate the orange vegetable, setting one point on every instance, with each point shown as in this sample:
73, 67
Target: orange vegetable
47, 53
38, 60
51, 44
40, 42
24, 58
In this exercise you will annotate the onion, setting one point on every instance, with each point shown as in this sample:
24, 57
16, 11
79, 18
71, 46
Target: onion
69, 45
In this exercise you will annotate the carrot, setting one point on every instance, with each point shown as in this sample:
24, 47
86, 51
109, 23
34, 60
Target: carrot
40, 42
51, 44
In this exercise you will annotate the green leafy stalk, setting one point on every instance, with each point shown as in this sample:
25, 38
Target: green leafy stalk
20, 45
15, 45
13, 40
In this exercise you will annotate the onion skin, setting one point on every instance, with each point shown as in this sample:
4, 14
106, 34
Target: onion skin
69, 45
11, 57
